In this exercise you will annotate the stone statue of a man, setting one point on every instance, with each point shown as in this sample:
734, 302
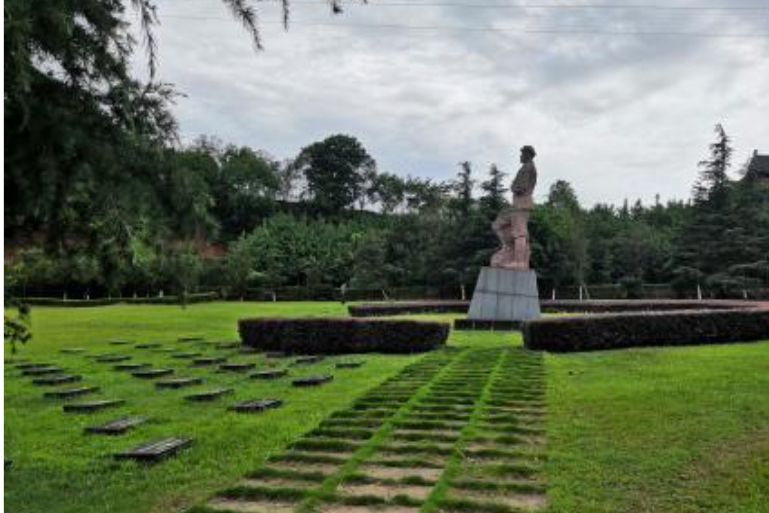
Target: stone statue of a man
511, 225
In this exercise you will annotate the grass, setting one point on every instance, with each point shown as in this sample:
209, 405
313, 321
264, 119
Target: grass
56, 468
673, 430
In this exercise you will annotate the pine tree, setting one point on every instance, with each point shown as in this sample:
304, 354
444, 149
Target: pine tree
493, 199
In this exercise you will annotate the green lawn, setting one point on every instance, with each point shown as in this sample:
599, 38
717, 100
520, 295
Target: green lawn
663, 430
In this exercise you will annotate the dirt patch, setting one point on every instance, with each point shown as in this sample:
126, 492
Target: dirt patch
386, 491
384, 472
251, 506
524, 501
379, 508
325, 468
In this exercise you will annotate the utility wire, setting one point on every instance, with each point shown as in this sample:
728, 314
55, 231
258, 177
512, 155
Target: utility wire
508, 30
526, 5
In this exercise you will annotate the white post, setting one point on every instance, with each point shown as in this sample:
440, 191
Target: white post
699, 292
553, 296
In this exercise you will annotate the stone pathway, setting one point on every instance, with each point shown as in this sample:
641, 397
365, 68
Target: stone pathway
460, 430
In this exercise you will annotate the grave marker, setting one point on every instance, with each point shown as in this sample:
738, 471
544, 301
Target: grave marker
116, 427
268, 374
349, 365
156, 450
310, 381
152, 373
131, 366
209, 395
185, 354
178, 382
112, 358
148, 345
42, 371
237, 367
208, 360
56, 380
72, 350
307, 360
91, 406
66, 393
120, 342
256, 405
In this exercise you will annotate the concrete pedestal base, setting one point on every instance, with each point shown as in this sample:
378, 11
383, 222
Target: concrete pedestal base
505, 296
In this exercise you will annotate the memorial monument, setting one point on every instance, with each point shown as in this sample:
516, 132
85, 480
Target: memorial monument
506, 292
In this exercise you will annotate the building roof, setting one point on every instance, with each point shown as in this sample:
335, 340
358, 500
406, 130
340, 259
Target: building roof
758, 168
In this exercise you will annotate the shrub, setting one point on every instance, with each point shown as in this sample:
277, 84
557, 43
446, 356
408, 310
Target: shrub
408, 307
615, 331
608, 306
341, 335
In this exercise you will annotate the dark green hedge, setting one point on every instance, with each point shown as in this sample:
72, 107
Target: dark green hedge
615, 331
640, 305
165, 300
341, 335
407, 307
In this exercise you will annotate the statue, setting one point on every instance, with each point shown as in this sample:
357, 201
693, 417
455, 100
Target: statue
511, 225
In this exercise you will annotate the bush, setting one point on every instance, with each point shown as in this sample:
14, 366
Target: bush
341, 335
615, 331
411, 307
609, 306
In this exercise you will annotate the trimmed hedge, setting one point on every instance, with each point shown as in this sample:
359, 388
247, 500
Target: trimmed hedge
408, 307
202, 297
636, 305
319, 335
616, 331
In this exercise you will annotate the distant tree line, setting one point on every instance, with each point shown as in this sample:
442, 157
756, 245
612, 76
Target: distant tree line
101, 198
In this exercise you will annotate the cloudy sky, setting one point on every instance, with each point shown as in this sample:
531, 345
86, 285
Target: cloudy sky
427, 86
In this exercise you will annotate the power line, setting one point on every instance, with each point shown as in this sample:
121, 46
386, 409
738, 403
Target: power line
526, 5
508, 30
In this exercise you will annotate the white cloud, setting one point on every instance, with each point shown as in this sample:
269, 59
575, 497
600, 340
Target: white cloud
616, 116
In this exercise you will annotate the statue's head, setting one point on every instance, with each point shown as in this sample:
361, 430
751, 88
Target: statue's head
527, 154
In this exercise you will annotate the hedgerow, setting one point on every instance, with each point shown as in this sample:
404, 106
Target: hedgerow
341, 335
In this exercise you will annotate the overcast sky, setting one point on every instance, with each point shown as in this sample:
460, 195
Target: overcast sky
618, 116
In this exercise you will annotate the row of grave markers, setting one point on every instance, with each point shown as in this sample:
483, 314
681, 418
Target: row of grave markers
50, 375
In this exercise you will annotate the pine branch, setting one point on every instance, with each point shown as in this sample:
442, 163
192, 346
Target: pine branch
149, 18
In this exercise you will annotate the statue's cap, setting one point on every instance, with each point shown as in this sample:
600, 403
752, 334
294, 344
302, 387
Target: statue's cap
529, 150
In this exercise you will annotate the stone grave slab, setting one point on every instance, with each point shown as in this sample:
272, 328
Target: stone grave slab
308, 360
56, 380
120, 342
185, 355
112, 358
116, 427
256, 405
312, 381
208, 395
227, 345
155, 450
167, 350
349, 365
152, 373
208, 360
148, 345
237, 367
248, 350
42, 371
190, 338
72, 350
91, 406
268, 374
66, 393
131, 366
178, 382
274, 354
32, 365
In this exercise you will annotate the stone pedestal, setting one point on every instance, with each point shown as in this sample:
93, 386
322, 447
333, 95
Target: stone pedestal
505, 296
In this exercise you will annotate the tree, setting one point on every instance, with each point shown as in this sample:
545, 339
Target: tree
494, 197
245, 189
462, 202
335, 169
